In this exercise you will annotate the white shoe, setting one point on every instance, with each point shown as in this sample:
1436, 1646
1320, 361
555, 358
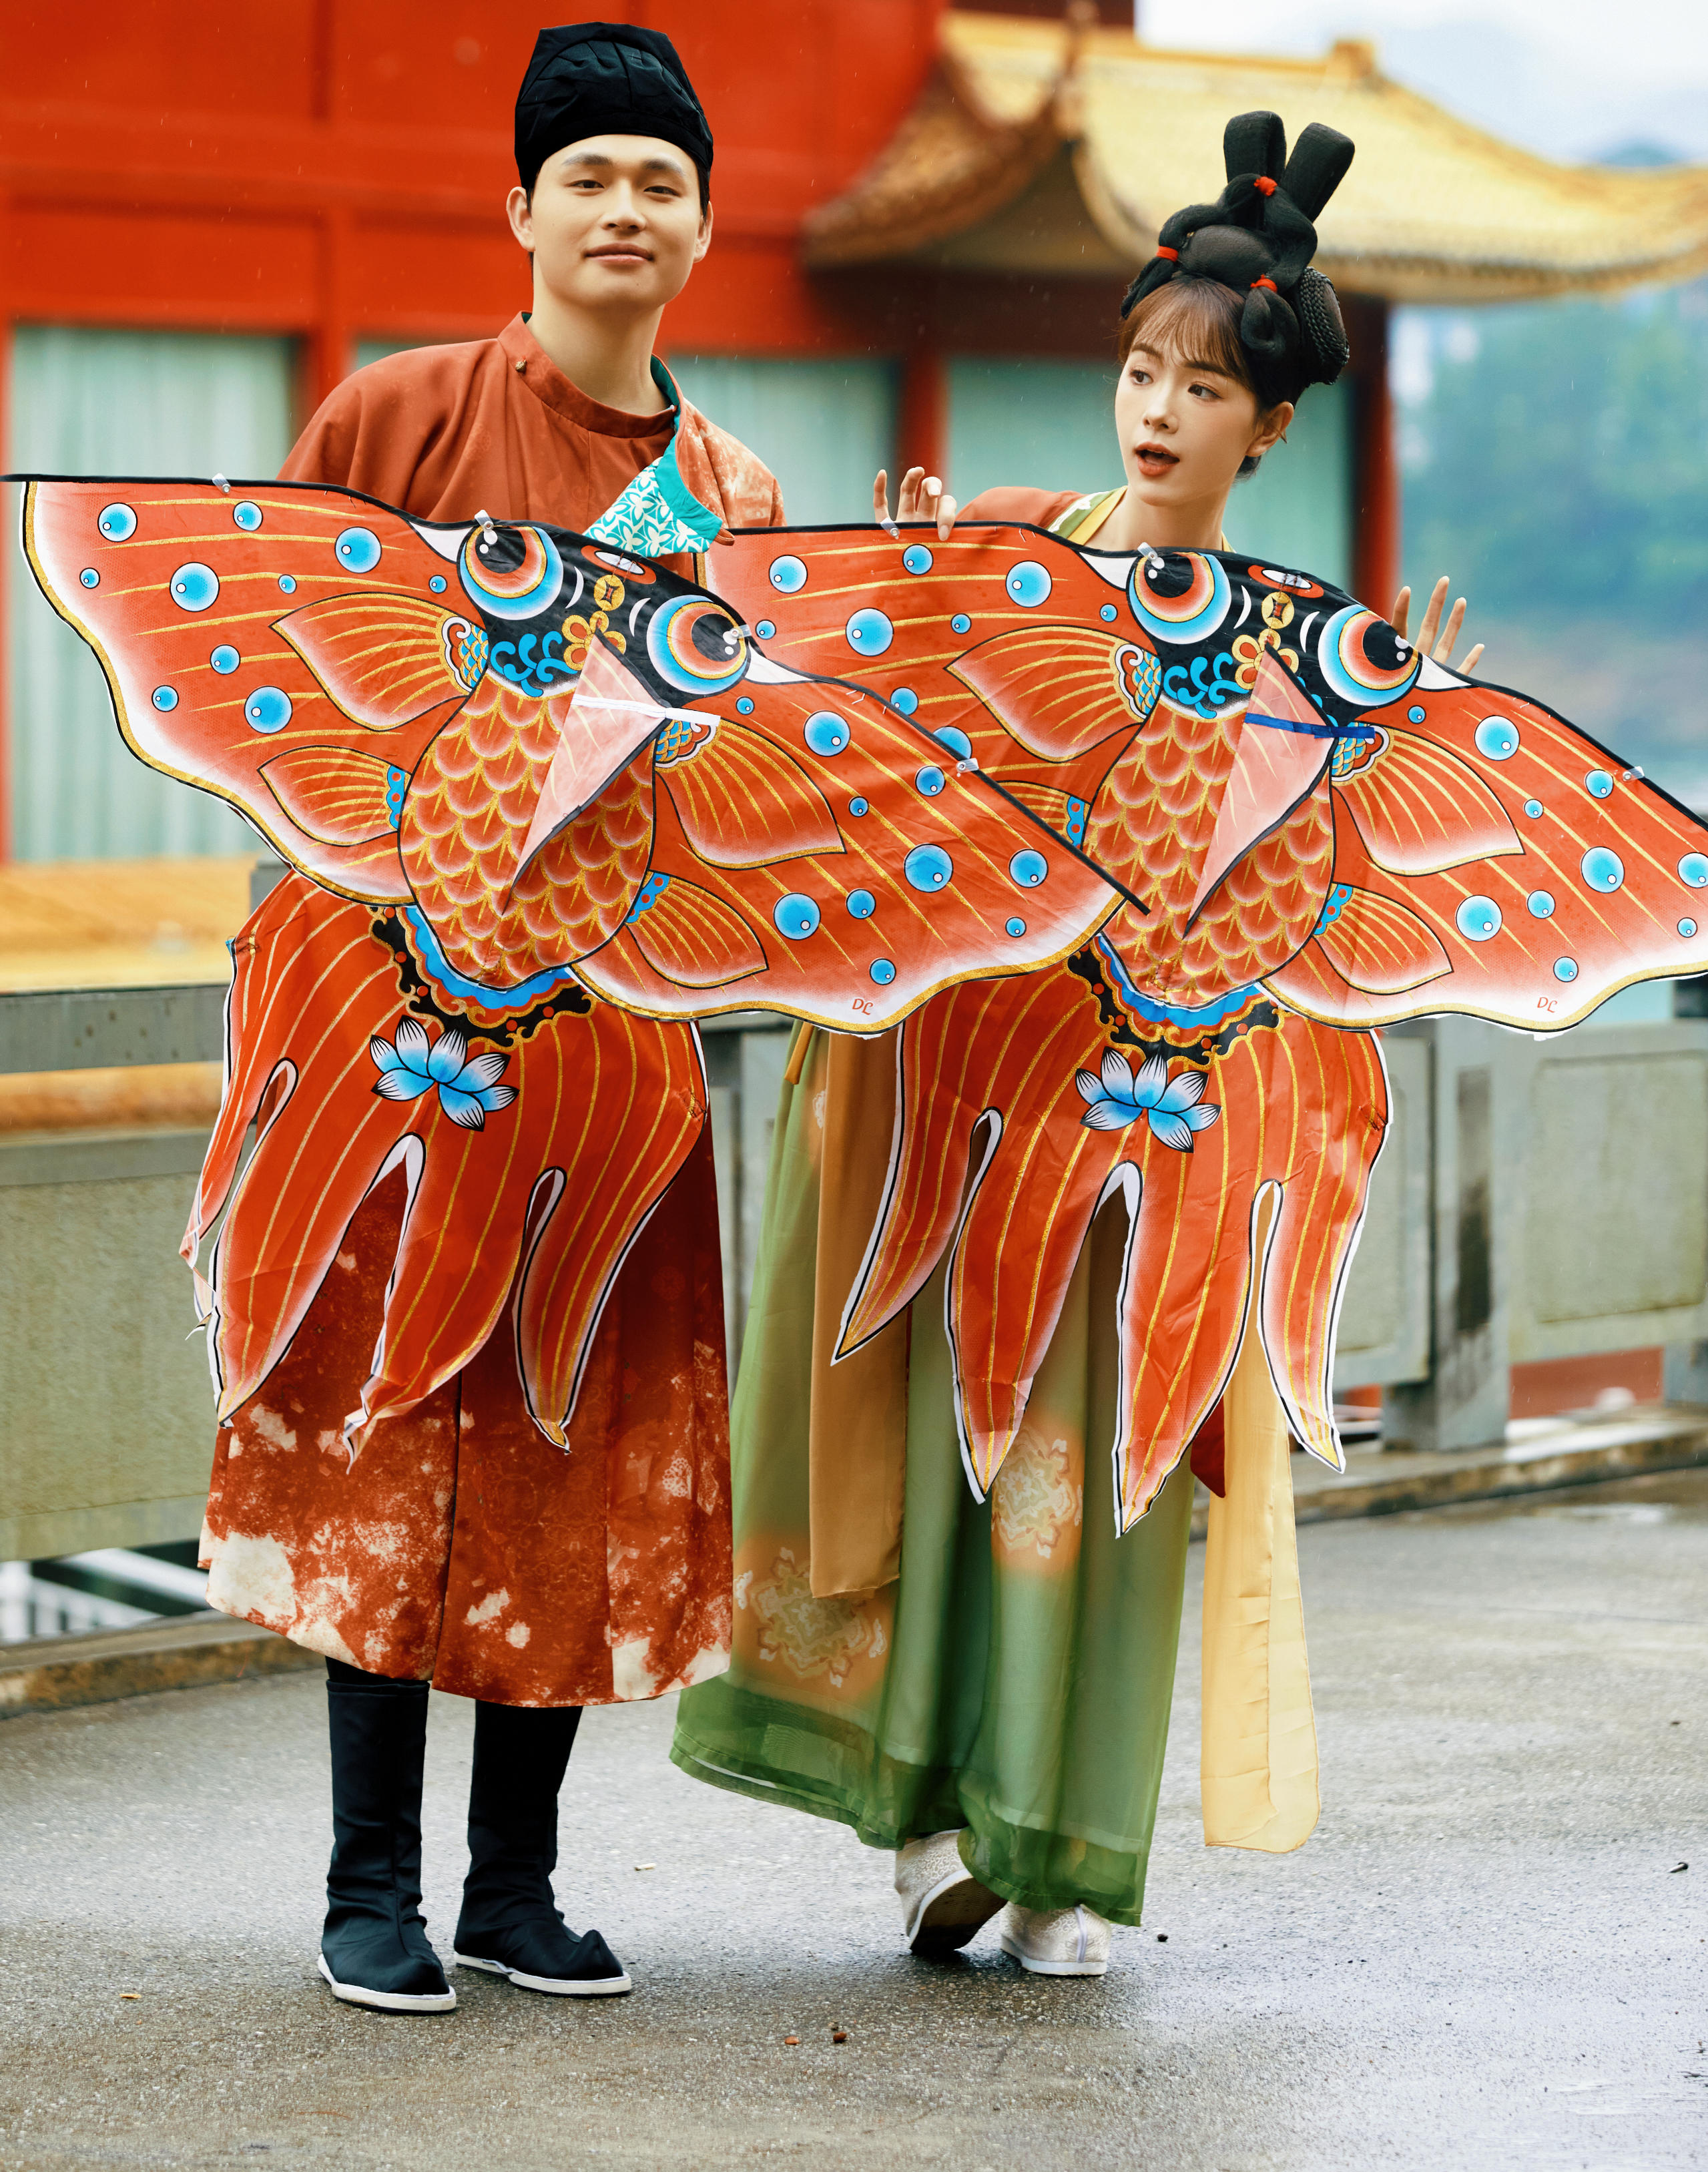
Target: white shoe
1056, 1941
943, 1904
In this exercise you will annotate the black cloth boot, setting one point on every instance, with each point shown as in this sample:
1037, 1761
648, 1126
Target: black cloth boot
510, 1923
374, 1949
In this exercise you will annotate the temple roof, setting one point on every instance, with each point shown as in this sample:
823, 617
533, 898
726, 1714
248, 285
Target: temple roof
1035, 148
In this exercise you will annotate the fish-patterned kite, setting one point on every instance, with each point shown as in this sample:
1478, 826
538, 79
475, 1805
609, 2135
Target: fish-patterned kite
1139, 847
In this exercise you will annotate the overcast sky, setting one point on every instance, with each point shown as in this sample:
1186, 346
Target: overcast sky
1574, 78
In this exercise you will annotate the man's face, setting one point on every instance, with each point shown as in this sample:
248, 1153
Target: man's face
615, 224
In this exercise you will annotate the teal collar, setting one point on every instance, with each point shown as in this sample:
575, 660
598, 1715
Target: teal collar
656, 515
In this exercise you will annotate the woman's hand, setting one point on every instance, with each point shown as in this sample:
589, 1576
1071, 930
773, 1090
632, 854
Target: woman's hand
1441, 650
922, 497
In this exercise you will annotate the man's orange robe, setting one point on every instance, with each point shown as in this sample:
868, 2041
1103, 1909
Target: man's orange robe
461, 1544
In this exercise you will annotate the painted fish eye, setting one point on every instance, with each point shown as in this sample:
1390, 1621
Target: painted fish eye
1179, 596
697, 646
1362, 659
509, 572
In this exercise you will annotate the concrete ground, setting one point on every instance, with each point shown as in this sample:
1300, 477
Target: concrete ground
1489, 1955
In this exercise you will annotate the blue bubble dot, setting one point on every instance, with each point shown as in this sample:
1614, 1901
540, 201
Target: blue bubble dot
1015, 927
1687, 927
928, 866
165, 697
959, 745
225, 659
1565, 969
744, 705
288, 584
882, 971
1416, 714
788, 575
357, 549
437, 585
1478, 918
960, 623
268, 709
1598, 784
1497, 737
905, 699
1541, 904
89, 577
796, 917
931, 781
194, 587
1533, 808
1029, 868
826, 733
1028, 583
870, 632
916, 558
765, 628
859, 806
862, 904
1107, 615
1693, 869
1602, 870
247, 514
117, 523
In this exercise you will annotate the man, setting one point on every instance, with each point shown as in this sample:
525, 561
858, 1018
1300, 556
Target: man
460, 1546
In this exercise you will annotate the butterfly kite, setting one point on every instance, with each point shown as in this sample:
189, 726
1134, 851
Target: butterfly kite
1135, 848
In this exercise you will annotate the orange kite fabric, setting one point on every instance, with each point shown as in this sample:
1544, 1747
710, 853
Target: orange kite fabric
1135, 850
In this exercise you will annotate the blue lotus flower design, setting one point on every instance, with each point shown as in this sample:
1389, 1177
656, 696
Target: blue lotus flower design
468, 1086
1174, 1107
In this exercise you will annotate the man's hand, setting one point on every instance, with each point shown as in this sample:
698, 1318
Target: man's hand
922, 497
1441, 650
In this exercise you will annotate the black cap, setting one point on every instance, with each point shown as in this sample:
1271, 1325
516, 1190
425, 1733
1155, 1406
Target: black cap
605, 79
1258, 238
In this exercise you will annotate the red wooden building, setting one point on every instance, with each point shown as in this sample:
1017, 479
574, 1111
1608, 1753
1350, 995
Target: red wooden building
210, 214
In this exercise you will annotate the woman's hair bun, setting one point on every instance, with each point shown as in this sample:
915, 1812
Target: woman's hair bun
1318, 309
1257, 239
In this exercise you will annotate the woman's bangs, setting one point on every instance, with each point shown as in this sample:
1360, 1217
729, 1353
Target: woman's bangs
1191, 320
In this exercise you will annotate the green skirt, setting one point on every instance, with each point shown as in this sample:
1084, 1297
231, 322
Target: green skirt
1015, 1679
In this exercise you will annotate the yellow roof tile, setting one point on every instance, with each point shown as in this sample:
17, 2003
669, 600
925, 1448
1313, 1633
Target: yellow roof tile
1031, 147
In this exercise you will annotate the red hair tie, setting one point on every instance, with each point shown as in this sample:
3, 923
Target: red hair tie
1172, 255
1264, 185
1269, 284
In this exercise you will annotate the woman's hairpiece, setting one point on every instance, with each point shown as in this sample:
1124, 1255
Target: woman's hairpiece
1257, 239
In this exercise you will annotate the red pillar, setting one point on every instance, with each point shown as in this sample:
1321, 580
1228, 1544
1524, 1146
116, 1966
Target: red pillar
1375, 458
923, 426
330, 356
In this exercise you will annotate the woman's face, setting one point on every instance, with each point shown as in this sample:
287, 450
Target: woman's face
1185, 426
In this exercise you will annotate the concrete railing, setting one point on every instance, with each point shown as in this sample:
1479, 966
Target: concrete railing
1535, 1198
1540, 1196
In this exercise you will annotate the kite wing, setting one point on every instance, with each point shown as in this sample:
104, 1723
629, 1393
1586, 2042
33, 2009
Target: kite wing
1491, 859
293, 651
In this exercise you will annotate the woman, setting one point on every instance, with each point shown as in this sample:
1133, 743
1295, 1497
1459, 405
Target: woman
993, 1703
